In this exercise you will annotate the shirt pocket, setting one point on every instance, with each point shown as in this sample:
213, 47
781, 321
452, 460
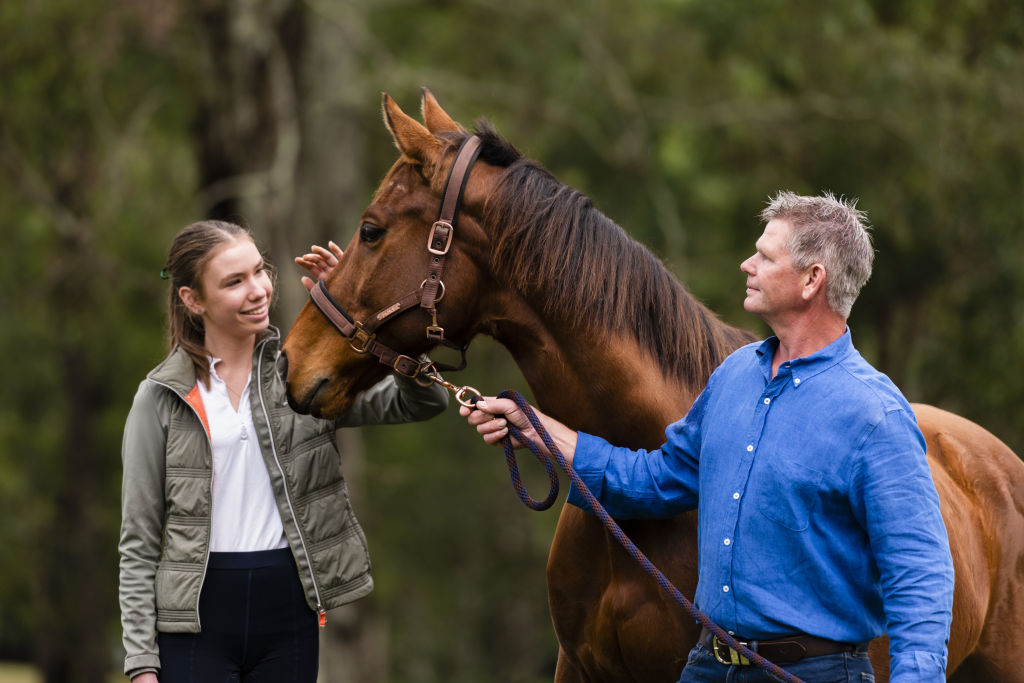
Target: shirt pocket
789, 494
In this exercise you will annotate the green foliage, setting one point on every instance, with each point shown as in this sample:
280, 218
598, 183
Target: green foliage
86, 197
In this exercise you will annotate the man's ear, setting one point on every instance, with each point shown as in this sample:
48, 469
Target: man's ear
814, 281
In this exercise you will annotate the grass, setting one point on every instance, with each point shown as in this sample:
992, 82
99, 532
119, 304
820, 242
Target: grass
19, 673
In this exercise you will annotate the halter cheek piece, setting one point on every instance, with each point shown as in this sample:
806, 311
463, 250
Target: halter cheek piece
362, 335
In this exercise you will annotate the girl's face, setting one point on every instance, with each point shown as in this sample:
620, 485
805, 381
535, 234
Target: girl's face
236, 291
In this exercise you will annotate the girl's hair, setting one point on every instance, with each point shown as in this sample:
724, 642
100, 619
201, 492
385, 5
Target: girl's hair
189, 254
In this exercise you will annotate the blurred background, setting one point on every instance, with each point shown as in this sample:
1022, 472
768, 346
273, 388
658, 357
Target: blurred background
123, 121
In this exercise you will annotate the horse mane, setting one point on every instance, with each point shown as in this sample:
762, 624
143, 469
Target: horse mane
589, 273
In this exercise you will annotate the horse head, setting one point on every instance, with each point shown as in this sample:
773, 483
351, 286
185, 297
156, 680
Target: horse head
388, 265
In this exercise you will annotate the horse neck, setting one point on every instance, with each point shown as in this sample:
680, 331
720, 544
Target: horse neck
630, 362
607, 386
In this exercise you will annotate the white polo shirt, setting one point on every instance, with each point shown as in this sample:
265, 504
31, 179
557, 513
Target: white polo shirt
245, 516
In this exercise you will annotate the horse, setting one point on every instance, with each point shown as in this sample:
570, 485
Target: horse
613, 344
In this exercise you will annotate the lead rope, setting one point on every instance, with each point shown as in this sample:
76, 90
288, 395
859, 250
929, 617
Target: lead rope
610, 524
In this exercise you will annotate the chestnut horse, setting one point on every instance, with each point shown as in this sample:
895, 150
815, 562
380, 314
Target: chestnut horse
611, 343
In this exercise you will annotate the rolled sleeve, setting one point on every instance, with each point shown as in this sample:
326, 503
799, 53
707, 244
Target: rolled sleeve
917, 667
635, 484
589, 461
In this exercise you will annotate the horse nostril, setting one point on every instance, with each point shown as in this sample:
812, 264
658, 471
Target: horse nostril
282, 367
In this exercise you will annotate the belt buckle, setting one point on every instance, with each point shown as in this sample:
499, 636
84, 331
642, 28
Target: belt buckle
735, 658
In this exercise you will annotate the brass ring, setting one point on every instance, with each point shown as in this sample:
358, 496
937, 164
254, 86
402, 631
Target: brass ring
468, 402
440, 285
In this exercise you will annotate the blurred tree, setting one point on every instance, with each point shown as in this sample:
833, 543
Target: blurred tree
84, 142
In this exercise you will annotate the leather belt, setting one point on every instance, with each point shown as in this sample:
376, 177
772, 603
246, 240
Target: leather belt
788, 649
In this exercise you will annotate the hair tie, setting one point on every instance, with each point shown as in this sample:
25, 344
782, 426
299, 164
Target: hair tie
164, 275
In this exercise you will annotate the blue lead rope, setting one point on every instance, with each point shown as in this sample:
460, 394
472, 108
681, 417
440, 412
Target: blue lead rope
610, 524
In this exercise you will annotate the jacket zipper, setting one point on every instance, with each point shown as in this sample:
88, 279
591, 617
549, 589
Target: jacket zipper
321, 612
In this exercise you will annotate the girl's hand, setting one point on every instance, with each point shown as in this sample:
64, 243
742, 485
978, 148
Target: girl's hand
319, 263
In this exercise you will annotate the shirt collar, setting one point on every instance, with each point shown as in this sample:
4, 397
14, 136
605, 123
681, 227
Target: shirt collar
213, 367
214, 375
807, 366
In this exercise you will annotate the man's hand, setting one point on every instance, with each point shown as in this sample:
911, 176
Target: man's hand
491, 417
319, 263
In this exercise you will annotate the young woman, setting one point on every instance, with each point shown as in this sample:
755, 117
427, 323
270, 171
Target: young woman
237, 534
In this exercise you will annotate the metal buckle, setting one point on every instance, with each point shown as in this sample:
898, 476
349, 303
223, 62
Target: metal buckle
360, 339
415, 373
430, 238
427, 374
435, 333
735, 658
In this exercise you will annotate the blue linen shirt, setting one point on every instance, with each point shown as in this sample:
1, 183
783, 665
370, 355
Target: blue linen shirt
816, 510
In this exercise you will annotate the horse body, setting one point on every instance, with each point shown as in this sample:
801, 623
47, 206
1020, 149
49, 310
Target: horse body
612, 621
611, 343
981, 487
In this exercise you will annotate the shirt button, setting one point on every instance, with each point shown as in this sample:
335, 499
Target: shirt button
750, 447
728, 541
736, 495
796, 381
767, 400
725, 589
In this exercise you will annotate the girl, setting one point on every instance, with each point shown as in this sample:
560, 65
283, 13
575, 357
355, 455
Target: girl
237, 534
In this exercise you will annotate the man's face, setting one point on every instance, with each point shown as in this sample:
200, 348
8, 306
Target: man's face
773, 285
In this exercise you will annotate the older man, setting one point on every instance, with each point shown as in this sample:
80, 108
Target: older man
819, 525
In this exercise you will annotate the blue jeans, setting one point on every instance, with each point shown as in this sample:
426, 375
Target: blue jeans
845, 667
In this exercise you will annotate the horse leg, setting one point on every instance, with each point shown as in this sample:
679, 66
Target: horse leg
566, 671
577, 577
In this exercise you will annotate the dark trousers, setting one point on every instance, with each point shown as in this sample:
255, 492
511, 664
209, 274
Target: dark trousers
256, 625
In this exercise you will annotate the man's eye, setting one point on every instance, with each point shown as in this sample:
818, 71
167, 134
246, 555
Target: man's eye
370, 233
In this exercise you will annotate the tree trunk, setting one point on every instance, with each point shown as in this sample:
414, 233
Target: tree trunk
290, 171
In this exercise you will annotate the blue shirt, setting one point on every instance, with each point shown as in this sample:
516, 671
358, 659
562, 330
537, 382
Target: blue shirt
816, 510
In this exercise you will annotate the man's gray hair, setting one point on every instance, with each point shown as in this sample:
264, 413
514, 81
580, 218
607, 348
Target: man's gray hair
831, 232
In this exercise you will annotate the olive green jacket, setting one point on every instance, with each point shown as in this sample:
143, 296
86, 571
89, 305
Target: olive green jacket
167, 493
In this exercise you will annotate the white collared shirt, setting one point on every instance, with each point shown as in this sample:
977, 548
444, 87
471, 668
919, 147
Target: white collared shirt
245, 515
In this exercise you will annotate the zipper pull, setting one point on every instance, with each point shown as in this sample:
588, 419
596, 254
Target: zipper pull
323, 618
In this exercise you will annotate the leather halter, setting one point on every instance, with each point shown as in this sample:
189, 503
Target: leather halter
362, 335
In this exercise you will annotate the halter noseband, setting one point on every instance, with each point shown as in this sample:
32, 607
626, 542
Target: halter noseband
362, 335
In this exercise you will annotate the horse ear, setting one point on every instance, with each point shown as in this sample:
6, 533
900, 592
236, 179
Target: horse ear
411, 137
436, 118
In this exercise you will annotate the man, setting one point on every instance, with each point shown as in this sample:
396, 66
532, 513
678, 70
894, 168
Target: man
818, 519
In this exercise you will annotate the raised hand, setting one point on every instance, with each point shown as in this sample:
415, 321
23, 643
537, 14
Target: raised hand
319, 262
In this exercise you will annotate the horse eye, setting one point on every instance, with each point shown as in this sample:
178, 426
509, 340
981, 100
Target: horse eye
370, 233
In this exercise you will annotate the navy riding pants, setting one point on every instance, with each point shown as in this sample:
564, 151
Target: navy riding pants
256, 625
